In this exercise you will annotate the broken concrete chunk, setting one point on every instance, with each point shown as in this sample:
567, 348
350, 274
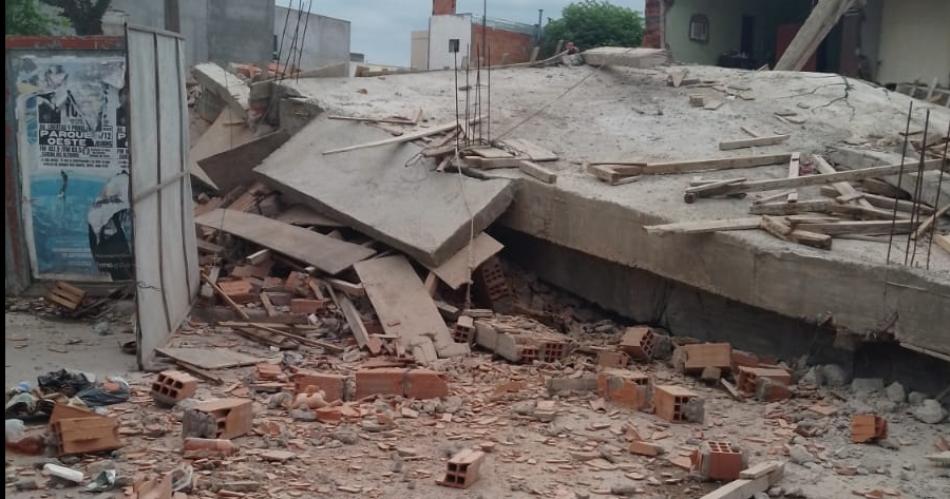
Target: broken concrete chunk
586, 383
930, 412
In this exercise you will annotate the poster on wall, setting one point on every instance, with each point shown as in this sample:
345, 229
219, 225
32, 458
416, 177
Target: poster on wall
73, 152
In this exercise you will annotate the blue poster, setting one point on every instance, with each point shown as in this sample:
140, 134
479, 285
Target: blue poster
73, 155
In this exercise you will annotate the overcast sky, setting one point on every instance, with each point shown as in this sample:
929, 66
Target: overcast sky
380, 28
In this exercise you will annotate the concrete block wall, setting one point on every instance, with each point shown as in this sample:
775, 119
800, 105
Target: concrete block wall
326, 40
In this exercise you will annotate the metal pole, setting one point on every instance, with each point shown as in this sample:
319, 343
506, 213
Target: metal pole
918, 189
900, 177
933, 226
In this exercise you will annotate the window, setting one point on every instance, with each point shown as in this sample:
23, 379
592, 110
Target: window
699, 28
453, 45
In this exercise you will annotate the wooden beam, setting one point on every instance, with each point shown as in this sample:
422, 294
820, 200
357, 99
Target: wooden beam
821, 206
863, 227
705, 226
770, 140
782, 230
943, 240
703, 165
301, 339
925, 225
402, 138
744, 488
793, 168
877, 201
824, 178
822, 19
844, 188
224, 296
537, 171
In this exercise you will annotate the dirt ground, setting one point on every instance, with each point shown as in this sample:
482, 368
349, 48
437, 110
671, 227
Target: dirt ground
582, 452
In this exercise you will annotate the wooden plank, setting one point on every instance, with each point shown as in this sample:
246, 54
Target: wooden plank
355, 321
822, 19
351, 290
703, 165
268, 306
612, 173
705, 226
224, 296
863, 227
327, 254
925, 225
402, 138
301, 339
845, 188
403, 306
768, 140
824, 178
943, 240
393, 120
537, 171
455, 271
793, 168
529, 150
745, 488
492, 163
209, 358
877, 201
782, 230
489, 152
820, 206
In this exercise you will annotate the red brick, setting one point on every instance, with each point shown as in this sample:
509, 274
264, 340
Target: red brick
718, 461
462, 469
670, 400
306, 305
611, 358
332, 385
747, 379
207, 447
443, 7
173, 386
329, 414
702, 355
297, 283
411, 383
268, 372
638, 341
222, 418
623, 387
240, 290
85, 435
743, 358
867, 428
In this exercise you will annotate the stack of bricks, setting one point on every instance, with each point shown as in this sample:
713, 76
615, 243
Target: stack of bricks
626, 388
718, 461
171, 387
766, 383
638, 342
671, 403
867, 428
462, 469
222, 418
653, 32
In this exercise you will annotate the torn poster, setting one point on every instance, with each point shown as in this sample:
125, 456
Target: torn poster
73, 153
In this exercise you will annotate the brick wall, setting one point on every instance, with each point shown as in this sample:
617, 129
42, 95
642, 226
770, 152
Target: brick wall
653, 32
443, 7
518, 46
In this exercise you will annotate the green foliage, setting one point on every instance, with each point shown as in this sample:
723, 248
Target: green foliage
594, 23
24, 17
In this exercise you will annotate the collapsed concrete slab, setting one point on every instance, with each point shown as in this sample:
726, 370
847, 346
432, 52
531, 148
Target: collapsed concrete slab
625, 56
232, 89
384, 192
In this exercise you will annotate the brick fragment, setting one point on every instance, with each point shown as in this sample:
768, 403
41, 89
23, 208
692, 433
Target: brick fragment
222, 418
464, 331
670, 402
172, 386
638, 342
623, 387
83, 435
198, 448
743, 358
645, 448
268, 372
462, 469
307, 305
748, 377
719, 461
241, 291
867, 428
698, 356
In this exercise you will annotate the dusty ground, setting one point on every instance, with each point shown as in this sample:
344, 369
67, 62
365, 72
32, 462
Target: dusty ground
582, 453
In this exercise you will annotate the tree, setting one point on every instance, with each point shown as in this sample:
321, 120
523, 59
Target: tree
594, 23
24, 17
85, 15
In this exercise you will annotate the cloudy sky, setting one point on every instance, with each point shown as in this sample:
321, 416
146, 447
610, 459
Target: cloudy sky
380, 28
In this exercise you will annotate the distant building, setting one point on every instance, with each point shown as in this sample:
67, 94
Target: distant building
325, 40
454, 36
886, 41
